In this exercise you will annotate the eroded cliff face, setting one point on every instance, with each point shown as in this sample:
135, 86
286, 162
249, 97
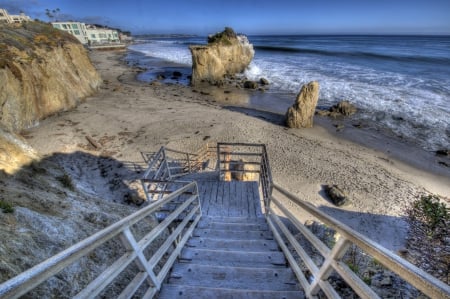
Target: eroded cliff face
225, 54
42, 71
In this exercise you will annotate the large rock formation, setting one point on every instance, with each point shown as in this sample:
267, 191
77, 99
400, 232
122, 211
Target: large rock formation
42, 71
300, 115
225, 54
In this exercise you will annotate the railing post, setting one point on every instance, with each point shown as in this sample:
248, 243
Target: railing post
218, 159
189, 162
130, 244
336, 253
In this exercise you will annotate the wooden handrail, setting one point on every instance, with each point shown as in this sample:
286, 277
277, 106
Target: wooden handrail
423, 281
28, 280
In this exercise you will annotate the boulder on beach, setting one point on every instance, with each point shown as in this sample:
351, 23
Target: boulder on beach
344, 107
251, 84
264, 81
225, 54
301, 114
337, 196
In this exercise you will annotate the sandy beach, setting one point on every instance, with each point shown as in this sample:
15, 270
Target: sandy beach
127, 117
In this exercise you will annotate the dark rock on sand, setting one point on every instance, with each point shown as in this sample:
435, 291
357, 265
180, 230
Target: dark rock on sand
177, 74
443, 152
338, 196
264, 81
344, 107
250, 84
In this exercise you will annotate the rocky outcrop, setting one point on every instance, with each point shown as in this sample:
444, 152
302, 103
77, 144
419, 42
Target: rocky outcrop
343, 108
42, 71
225, 54
301, 114
14, 152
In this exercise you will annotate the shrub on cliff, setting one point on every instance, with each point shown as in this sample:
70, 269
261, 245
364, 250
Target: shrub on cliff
223, 38
429, 239
431, 216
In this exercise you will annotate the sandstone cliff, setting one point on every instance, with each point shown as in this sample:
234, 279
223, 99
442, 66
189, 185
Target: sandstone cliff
42, 71
225, 54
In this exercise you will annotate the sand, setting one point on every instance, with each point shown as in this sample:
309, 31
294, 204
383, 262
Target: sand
127, 117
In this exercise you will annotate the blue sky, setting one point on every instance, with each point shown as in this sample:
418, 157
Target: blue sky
251, 17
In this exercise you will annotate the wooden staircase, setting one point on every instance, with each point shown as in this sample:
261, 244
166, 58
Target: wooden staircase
231, 257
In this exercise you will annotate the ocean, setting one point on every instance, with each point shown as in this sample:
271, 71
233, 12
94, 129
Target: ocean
399, 83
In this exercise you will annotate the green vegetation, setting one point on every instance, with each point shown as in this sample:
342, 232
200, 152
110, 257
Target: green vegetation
432, 214
224, 38
66, 181
6, 207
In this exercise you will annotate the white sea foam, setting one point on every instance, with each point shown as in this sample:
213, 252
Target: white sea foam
166, 50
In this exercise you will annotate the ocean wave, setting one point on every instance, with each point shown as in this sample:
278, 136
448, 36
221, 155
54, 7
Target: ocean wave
355, 54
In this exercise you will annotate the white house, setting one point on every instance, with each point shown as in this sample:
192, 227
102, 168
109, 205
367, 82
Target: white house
11, 19
77, 29
101, 35
89, 34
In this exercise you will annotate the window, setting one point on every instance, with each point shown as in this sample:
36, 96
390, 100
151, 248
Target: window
102, 35
74, 26
77, 32
93, 36
57, 26
64, 26
1, 14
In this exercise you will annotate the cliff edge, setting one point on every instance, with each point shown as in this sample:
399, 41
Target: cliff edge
42, 71
225, 54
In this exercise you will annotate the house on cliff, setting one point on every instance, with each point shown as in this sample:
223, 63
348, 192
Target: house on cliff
5, 17
89, 34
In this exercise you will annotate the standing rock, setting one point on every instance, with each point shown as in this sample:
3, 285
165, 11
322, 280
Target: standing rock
301, 114
226, 54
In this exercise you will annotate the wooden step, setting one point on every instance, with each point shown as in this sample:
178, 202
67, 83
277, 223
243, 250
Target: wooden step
258, 220
268, 279
192, 292
233, 245
229, 234
268, 259
234, 226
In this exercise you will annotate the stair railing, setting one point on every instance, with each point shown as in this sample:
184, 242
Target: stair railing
164, 257
284, 202
166, 165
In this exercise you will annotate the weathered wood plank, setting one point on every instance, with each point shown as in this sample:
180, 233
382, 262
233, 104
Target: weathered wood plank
233, 245
270, 279
187, 292
204, 196
233, 258
234, 226
226, 198
229, 234
233, 219
250, 200
213, 196
257, 199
